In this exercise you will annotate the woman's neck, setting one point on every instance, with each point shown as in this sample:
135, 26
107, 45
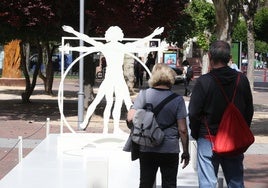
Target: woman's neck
161, 87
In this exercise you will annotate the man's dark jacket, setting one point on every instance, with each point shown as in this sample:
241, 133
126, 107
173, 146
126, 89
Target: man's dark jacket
207, 100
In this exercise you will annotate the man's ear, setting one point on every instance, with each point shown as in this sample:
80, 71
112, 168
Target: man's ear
211, 63
209, 56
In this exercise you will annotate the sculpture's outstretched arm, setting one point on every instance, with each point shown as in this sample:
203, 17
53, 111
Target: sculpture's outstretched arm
156, 32
82, 36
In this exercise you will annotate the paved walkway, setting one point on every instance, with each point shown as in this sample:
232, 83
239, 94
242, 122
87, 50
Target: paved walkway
19, 119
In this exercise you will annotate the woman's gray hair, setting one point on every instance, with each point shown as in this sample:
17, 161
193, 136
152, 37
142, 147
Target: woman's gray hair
162, 74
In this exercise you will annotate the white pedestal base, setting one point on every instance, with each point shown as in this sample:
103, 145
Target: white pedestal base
84, 161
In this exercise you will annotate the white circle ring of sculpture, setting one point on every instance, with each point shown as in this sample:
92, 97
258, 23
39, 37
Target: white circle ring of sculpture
60, 92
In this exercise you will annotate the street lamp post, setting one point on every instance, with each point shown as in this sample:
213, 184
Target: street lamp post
81, 69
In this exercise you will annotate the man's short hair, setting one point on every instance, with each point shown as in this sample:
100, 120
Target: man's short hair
220, 51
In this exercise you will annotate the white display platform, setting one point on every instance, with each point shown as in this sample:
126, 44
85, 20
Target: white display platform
84, 161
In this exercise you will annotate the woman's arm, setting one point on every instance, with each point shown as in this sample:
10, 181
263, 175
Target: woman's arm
130, 114
183, 132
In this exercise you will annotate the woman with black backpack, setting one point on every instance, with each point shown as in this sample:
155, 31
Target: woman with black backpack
172, 120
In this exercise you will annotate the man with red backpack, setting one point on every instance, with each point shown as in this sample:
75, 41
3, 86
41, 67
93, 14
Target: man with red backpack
206, 108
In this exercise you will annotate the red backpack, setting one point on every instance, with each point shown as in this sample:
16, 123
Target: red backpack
234, 135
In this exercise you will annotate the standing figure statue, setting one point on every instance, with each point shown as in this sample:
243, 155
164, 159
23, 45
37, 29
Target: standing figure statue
114, 82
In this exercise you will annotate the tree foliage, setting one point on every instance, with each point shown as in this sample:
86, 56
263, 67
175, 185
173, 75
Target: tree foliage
39, 22
136, 18
26, 19
203, 15
34, 23
227, 13
261, 47
203, 18
43, 18
240, 32
261, 24
181, 31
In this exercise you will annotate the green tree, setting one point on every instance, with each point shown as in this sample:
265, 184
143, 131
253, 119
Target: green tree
33, 23
203, 18
261, 47
227, 13
240, 32
260, 28
181, 31
261, 24
39, 22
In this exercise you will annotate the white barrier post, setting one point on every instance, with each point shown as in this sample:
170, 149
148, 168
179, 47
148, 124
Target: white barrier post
47, 126
154, 185
20, 149
97, 170
264, 74
193, 154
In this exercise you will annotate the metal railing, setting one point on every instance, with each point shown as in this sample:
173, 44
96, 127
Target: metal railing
19, 142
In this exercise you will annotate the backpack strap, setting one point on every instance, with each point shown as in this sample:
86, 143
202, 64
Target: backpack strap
220, 85
226, 98
237, 82
158, 108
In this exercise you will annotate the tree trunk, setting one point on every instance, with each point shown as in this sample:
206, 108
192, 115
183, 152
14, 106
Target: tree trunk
48, 79
227, 13
248, 10
222, 20
251, 53
49, 70
205, 63
25, 96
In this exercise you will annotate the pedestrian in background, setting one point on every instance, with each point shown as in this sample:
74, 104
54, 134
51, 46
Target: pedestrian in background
186, 77
139, 72
207, 103
166, 155
149, 63
103, 66
234, 66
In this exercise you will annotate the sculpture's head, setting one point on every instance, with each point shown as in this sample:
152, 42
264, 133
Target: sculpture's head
114, 33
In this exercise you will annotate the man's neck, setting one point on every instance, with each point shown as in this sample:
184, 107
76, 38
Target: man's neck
218, 65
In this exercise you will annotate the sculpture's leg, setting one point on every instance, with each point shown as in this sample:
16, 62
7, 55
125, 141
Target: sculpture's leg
126, 95
92, 107
117, 114
121, 94
128, 102
107, 111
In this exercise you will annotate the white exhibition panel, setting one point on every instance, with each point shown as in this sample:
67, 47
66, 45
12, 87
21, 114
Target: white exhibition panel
84, 160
